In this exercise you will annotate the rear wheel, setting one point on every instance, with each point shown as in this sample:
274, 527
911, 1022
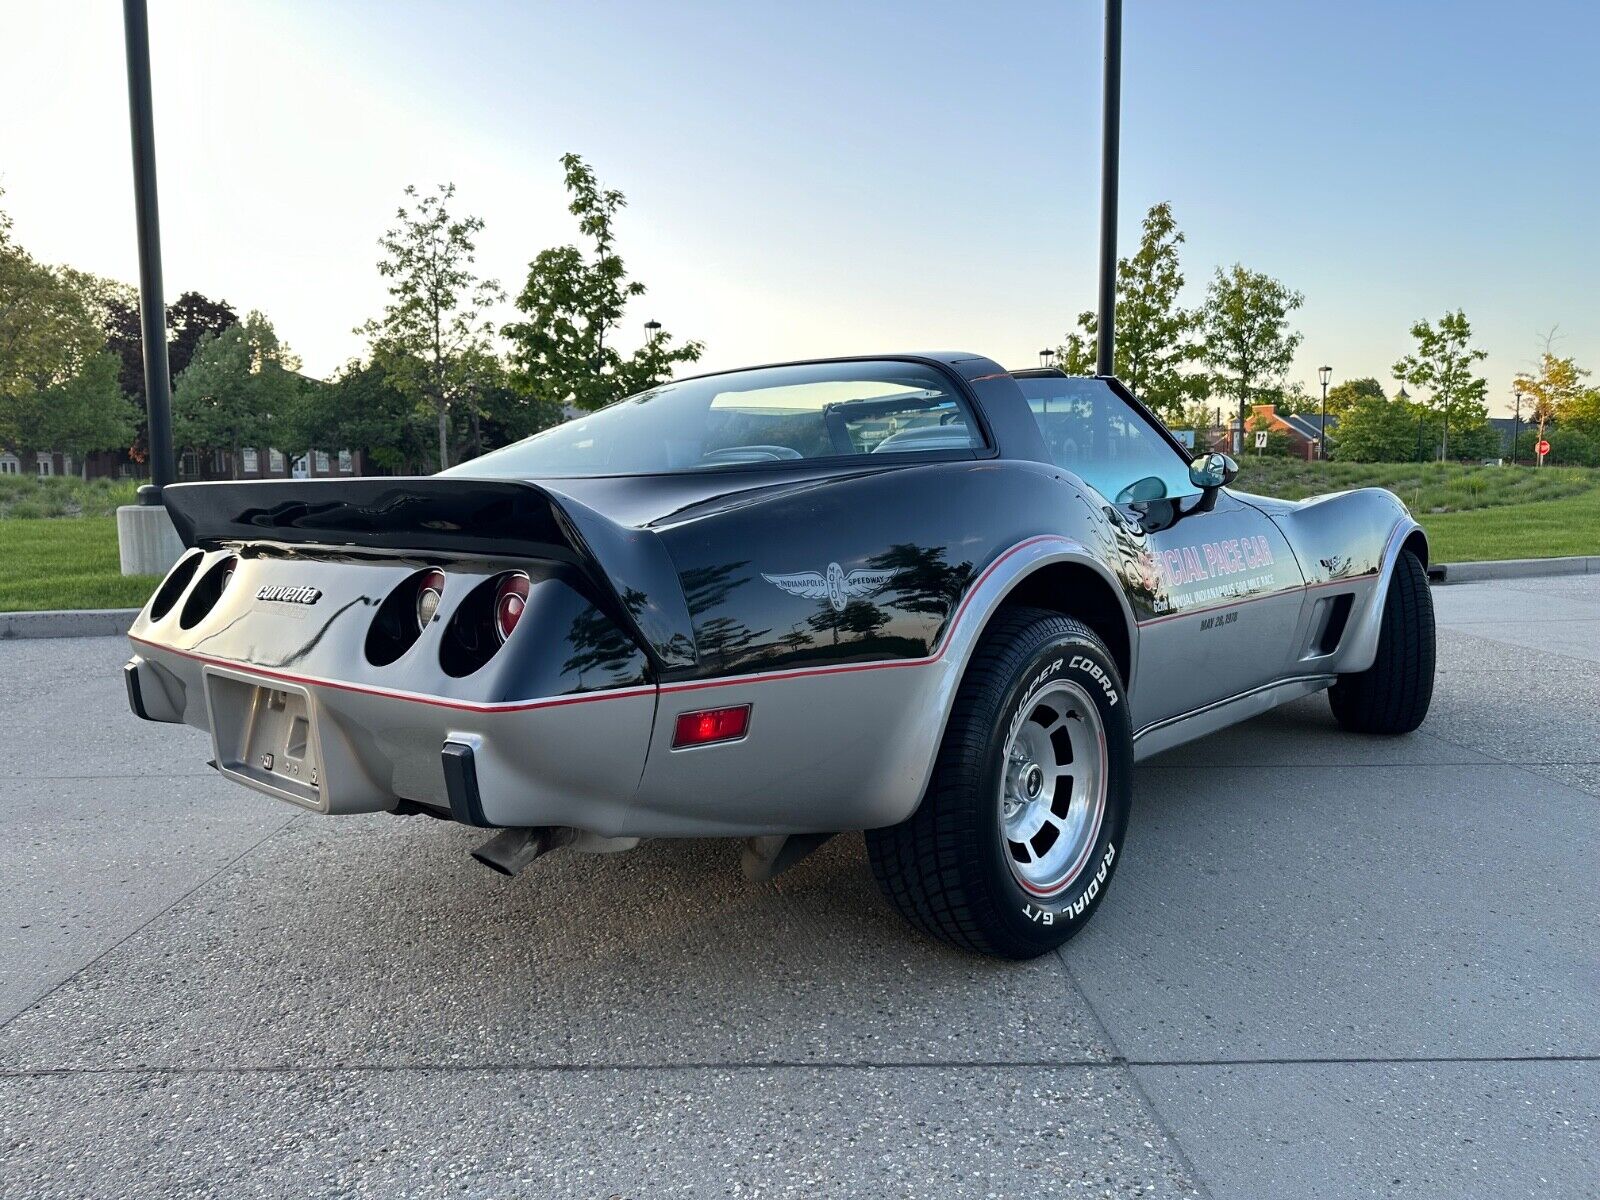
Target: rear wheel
1015, 842
1392, 696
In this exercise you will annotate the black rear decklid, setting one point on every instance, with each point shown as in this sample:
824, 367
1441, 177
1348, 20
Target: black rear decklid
629, 567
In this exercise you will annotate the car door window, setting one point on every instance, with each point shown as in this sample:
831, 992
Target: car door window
1098, 436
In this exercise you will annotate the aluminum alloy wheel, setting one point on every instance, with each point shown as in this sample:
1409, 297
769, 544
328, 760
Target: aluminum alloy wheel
1053, 788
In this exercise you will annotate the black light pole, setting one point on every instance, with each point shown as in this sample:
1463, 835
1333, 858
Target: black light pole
1516, 424
1403, 397
152, 308
1109, 137
652, 330
1324, 374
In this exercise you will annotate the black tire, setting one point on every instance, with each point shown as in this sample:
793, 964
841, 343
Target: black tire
1392, 696
948, 868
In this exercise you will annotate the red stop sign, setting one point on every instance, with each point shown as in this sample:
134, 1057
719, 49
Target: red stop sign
1542, 446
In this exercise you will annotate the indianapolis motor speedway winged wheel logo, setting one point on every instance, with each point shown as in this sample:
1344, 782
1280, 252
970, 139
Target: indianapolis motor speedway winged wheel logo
834, 584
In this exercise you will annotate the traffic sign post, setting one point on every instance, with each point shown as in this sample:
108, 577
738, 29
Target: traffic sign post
1541, 448
1261, 440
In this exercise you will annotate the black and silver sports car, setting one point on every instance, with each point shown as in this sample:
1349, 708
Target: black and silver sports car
915, 595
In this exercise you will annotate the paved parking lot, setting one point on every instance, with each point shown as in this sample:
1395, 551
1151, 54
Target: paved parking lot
1330, 967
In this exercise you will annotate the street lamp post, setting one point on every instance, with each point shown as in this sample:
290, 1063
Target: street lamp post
147, 540
1516, 424
152, 311
1047, 357
1110, 137
1404, 397
1323, 373
652, 332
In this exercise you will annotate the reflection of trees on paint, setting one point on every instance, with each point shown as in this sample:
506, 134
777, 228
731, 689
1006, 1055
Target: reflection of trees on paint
1139, 570
600, 644
923, 581
678, 646
1340, 566
720, 638
859, 621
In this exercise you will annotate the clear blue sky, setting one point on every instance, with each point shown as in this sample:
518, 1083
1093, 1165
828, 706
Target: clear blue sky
831, 178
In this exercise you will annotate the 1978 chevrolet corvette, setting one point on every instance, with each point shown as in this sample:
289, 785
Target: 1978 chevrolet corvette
914, 595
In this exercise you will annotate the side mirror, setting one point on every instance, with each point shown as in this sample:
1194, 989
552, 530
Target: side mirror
1211, 471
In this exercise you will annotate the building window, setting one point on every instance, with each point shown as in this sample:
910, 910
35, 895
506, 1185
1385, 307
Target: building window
252, 461
46, 464
275, 461
346, 462
66, 464
10, 465
321, 461
189, 464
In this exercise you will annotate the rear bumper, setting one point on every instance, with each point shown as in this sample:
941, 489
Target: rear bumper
826, 751
537, 764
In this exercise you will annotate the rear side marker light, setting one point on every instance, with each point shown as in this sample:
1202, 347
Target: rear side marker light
711, 725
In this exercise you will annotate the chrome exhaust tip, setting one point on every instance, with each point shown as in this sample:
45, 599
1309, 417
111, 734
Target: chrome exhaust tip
510, 850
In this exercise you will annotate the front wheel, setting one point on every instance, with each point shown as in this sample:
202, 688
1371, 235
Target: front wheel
1392, 696
1014, 845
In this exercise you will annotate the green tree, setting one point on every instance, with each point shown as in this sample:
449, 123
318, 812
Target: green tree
1556, 388
1376, 429
47, 321
1155, 343
562, 351
1343, 395
361, 406
1247, 341
88, 412
433, 333
1443, 363
241, 389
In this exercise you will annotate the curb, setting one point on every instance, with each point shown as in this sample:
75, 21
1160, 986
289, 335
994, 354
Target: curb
88, 622
1514, 568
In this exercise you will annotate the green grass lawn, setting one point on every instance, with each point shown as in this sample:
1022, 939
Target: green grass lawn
65, 562
58, 539
1549, 529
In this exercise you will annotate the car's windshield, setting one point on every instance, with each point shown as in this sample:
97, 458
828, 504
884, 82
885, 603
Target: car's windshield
771, 415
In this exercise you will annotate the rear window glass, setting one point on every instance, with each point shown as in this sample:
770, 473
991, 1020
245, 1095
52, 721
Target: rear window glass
772, 415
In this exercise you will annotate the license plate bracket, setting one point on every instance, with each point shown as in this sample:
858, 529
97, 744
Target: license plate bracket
264, 734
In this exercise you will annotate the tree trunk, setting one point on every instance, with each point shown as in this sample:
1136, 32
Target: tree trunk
444, 434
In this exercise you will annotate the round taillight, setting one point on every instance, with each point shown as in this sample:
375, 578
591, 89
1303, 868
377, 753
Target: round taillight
510, 598
430, 590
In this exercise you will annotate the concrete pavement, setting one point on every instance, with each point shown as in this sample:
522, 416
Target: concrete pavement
1330, 966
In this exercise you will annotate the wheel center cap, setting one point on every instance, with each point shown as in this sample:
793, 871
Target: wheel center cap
1032, 781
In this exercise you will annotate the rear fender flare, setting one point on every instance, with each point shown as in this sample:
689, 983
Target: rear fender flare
994, 587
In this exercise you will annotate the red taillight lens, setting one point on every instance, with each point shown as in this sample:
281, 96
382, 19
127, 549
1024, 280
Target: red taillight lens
430, 591
510, 598
711, 725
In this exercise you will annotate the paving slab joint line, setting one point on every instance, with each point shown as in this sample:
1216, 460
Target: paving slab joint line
143, 925
1120, 1062
1117, 1063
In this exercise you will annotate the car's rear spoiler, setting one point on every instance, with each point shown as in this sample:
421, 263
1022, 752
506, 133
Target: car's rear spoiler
629, 567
